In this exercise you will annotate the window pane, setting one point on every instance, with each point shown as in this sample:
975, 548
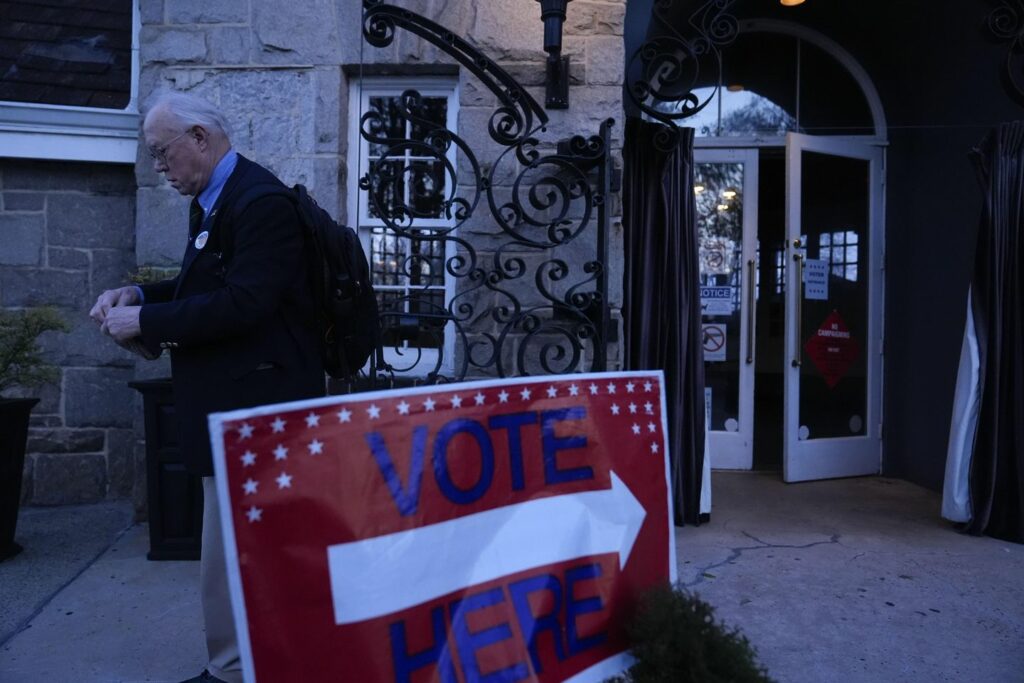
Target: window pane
66, 55
426, 180
387, 192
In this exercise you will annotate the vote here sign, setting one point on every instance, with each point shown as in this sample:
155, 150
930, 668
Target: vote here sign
493, 531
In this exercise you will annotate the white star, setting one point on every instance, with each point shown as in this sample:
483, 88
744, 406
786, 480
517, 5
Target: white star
312, 420
403, 408
284, 481
636, 428
503, 396
245, 431
593, 390
456, 401
552, 392
254, 514
647, 386
649, 408
250, 486
280, 453
654, 448
611, 388
278, 425
574, 390
373, 411
315, 447
248, 459
651, 427
629, 387
615, 409
479, 399
632, 407
525, 394
428, 405
344, 415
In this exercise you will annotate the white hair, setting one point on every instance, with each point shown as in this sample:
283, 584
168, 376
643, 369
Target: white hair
190, 111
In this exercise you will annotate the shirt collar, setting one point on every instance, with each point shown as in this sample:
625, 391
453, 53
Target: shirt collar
208, 197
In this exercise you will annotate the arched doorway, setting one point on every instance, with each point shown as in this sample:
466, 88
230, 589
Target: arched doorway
790, 193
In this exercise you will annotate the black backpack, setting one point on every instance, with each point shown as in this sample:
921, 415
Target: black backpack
339, 278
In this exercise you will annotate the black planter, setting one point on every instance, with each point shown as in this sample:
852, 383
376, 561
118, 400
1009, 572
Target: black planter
14, 413
174, 498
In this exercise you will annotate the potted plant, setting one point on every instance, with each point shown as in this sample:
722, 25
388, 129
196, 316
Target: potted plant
21, 365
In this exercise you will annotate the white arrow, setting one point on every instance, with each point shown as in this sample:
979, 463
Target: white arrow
386, 574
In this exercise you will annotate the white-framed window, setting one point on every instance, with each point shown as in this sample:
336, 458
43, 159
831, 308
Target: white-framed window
69, 81
409, 273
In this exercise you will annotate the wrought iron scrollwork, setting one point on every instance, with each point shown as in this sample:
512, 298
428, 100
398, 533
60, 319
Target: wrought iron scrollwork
663, 73
1006, 24
526, 299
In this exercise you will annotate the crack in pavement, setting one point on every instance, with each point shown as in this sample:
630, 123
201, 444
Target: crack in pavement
735, 554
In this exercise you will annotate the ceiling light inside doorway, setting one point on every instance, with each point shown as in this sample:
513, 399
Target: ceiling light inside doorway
791, 3
723, 207
729, 194
697, 189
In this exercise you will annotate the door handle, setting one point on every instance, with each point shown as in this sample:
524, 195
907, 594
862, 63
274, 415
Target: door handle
751, 285
798, 260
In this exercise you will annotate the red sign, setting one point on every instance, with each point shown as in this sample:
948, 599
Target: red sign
499, 530
832, 349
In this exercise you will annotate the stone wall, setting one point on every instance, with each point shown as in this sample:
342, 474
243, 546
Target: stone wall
66, 234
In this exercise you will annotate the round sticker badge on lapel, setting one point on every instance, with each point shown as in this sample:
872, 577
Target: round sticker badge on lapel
201, 239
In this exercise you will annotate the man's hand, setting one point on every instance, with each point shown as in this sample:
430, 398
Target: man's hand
122, 322
122, 296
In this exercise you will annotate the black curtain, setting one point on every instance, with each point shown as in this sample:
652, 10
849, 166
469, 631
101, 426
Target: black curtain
997, 291
661, 292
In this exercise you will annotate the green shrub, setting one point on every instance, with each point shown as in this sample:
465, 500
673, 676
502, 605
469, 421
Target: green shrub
675, 639
21, 360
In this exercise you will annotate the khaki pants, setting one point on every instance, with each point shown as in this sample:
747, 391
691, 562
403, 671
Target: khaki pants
221, 641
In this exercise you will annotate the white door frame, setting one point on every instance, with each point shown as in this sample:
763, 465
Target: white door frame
735, 450
846, 456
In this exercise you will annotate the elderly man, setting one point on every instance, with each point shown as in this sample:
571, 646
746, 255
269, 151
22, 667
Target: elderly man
237, 319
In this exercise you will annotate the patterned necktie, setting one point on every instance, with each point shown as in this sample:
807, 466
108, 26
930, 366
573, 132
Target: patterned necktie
195, 219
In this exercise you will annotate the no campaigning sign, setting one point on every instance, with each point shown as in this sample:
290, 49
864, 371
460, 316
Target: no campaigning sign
488, 531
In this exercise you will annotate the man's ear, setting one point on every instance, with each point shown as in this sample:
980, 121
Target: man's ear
202, 137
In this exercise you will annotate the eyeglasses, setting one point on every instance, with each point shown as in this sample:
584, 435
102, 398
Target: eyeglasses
160, 153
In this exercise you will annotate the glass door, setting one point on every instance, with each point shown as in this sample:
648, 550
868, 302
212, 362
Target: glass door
833, 308
725, 189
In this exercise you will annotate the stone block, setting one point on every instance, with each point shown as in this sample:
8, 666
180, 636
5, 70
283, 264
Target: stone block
605, 60
68, 259
328, 185
151, 11
69, 478
509, 30
21, 239
44, 287
26, 480
84, 344
229, 44
306, 37
45, 421
40, 176
111, 268
98, 397
86, 220
161, 227
172, 45
331, 95
24, 201
120, 463
154, 369
50, 440
206, 12
48, 395
595, 18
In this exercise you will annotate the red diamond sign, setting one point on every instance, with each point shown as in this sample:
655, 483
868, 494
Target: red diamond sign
832, 350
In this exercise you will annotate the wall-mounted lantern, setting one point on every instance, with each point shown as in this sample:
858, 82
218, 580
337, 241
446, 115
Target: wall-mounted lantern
552, 13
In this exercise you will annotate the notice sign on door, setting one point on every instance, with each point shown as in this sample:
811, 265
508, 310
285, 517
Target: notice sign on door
499, 530
713, 341
832, 349
816, 279
716, 301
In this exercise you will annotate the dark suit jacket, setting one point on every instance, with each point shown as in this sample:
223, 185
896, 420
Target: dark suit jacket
237, 319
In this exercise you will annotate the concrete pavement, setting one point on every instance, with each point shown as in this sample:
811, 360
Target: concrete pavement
846, 580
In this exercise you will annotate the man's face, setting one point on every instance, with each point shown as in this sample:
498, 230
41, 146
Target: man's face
179, 153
